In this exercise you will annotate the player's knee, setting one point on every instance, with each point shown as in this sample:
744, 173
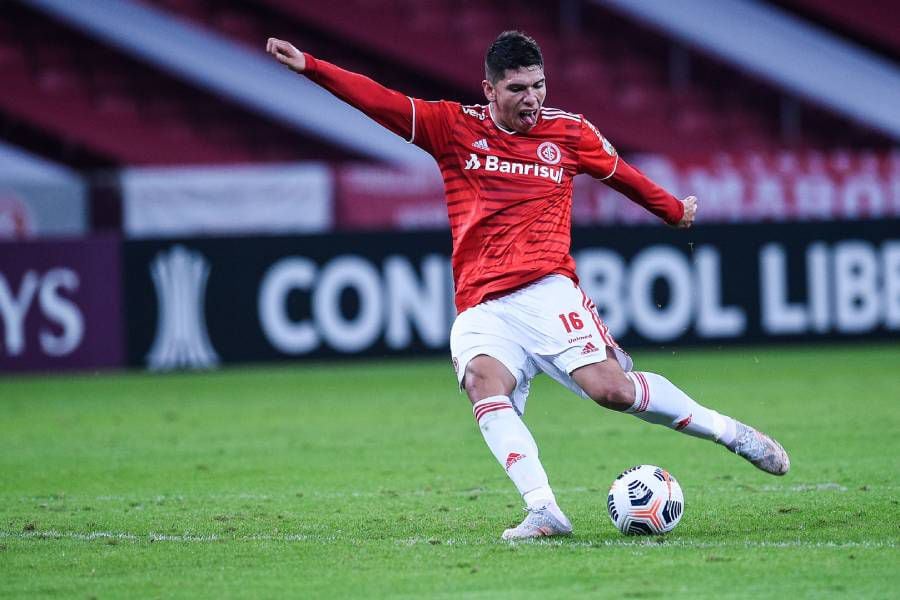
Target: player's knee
480, 385
485, 378
616, 394
475, 384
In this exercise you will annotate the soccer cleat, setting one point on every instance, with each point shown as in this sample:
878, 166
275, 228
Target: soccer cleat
541, 521
761, 450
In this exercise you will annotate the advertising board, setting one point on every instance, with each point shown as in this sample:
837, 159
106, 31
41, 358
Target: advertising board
60, 305
200, 302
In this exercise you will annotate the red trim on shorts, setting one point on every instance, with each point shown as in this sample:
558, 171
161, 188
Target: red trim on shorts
602, 329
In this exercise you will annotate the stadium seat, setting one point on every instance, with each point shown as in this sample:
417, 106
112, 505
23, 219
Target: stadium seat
66, 84
90, 94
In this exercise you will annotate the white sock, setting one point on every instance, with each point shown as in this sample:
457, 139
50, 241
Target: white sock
657, 400
514, 448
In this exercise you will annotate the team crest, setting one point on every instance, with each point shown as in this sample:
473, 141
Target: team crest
549, 153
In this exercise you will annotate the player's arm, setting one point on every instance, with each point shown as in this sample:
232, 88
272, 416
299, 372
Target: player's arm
387, 107
639, 188
598, 158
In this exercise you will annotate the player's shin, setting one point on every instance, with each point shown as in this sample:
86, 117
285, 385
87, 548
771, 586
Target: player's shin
658, 400
514, 447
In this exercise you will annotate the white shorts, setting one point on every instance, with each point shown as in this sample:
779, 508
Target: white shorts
549, 326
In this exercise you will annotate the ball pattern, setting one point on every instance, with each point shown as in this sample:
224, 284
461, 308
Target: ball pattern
645, 500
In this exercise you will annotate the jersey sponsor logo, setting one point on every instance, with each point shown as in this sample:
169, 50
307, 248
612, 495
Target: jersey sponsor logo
473, 163
474, 111
549, 153
481, 144
496, 165
580, 338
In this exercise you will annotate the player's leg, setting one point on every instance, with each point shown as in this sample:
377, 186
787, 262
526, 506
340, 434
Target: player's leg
606, 376
610, 386
495, 373
489, 386
655, 399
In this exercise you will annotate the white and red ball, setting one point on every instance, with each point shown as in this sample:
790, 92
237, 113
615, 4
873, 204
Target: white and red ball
645, 500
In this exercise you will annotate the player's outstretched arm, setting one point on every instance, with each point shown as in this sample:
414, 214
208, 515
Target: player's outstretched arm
690, 209
387, 107
598, 158
640, 189
287, 54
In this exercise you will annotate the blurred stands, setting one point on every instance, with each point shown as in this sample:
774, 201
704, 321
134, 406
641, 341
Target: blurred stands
872, 23
645, 92
115, 110
87, 103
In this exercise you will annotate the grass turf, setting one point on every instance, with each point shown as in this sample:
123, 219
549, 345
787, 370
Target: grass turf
372, 479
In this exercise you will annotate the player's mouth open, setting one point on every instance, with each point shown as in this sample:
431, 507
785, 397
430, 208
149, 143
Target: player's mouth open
528, 117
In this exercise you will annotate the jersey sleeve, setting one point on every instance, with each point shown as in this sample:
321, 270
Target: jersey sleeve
596, 156
642, 190
433, 124
425, 124
387, 107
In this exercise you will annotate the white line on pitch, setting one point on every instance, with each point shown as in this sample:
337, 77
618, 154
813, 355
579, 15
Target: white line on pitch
645, 543
706, 490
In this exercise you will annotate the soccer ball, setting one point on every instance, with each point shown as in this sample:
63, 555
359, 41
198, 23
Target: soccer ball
645, 500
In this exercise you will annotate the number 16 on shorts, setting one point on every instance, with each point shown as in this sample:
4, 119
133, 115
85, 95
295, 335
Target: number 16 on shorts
572, 322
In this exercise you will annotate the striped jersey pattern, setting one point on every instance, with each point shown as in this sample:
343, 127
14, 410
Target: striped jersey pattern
509, 195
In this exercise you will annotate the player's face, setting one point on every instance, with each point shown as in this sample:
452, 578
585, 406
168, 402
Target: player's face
517, 98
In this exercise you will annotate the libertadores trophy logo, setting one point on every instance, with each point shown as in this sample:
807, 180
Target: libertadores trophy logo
180, 277
549, 153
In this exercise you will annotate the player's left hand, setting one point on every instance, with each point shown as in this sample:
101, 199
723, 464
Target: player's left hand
690, 209
287, 54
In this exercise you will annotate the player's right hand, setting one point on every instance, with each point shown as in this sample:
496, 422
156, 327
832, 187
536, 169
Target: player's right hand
690, 209
287, 54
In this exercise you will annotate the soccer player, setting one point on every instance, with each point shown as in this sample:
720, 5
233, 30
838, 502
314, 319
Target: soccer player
508, 167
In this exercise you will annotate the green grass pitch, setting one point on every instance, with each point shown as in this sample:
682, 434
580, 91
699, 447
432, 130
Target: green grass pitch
371, 479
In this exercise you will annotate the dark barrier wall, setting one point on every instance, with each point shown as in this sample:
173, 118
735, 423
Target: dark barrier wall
198, 302
60, 305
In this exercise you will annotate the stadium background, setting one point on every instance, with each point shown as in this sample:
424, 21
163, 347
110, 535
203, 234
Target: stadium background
171, 200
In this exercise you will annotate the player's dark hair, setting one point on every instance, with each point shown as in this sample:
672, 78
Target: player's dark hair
511, 50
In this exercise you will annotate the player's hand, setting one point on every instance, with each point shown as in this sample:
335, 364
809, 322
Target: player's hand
690, 209
287, 54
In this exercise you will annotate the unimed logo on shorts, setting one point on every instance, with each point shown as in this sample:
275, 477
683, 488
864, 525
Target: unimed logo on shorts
180, 276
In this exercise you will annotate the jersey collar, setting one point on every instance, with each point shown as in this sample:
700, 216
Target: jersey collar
510, 131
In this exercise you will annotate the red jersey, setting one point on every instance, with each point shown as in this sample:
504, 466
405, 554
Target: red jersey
509, 194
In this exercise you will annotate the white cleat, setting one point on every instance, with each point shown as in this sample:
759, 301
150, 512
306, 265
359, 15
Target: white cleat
761, 450
541, 521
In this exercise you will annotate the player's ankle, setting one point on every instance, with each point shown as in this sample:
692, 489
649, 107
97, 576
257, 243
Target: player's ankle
729, 434
542, 496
